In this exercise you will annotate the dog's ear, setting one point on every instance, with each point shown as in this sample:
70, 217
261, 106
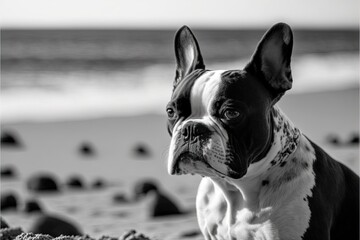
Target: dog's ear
187, 53
271, 60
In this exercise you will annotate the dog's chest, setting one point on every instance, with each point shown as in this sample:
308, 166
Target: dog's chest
219, 220
248, 226
279, 210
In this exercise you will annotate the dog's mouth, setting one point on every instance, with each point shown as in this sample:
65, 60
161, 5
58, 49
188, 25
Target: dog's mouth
192, 163
188, 162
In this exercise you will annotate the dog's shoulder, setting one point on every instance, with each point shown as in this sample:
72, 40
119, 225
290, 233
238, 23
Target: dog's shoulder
336, 188
333, 177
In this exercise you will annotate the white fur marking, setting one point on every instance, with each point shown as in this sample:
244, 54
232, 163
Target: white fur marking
173, 146
202, 93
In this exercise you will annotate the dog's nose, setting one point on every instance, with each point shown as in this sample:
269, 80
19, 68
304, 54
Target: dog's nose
191, 130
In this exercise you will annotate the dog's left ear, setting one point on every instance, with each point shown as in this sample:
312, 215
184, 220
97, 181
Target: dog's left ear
271, 60
187, 53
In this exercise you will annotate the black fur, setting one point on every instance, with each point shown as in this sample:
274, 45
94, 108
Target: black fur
334, 204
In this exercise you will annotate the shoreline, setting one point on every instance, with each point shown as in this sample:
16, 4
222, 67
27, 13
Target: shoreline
289, 96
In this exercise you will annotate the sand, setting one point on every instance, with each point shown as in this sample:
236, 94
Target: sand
53, 147
18, 234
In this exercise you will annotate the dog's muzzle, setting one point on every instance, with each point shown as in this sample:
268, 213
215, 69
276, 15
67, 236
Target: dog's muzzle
187, 148
198, 149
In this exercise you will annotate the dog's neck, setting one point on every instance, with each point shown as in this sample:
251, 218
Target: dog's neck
286, 138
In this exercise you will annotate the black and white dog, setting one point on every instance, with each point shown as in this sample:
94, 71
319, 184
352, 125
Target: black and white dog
262, 178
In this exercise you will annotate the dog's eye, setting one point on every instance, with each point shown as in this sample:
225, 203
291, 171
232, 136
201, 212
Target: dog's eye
231, 114
170, 113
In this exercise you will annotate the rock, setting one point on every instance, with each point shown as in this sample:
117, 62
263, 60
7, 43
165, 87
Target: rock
3, 224
143, 187
43, 183
9, 139
161, 205
75, 182
32, 206
120, 198
86, 149
133, 235
354, 139
8, 172
141, 150
190, 234
98, 183
333, 139
8, 201
54, 226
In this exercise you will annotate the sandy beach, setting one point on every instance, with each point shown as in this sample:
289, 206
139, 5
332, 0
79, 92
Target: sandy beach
52, 147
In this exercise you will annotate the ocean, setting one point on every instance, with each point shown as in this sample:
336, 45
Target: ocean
51, 75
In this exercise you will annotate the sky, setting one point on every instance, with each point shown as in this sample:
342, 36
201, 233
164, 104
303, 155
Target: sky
170, 13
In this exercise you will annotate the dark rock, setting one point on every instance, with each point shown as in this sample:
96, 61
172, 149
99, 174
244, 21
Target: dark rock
10, 139
120, 198
354, 139
8, 172
98, 183
43, 183
133, 235
143, 187
3, 224
333, 140
163, 206
55, 226
75, 182
86, 149
8, 201
141, 150
32, 206
190, 234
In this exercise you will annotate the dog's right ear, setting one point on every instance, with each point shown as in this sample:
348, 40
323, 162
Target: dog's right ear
187, 53
271, 60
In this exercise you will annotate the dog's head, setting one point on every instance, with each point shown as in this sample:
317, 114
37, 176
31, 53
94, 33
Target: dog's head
220, 121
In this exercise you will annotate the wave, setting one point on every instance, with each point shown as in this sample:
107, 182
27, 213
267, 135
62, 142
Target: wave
53, 96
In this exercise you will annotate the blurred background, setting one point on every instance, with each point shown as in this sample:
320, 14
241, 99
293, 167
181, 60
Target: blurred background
84, 85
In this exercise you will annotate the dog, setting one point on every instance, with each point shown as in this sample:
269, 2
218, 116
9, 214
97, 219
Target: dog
262, 178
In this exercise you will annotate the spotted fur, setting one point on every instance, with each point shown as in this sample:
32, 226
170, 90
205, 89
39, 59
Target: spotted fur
262, 211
